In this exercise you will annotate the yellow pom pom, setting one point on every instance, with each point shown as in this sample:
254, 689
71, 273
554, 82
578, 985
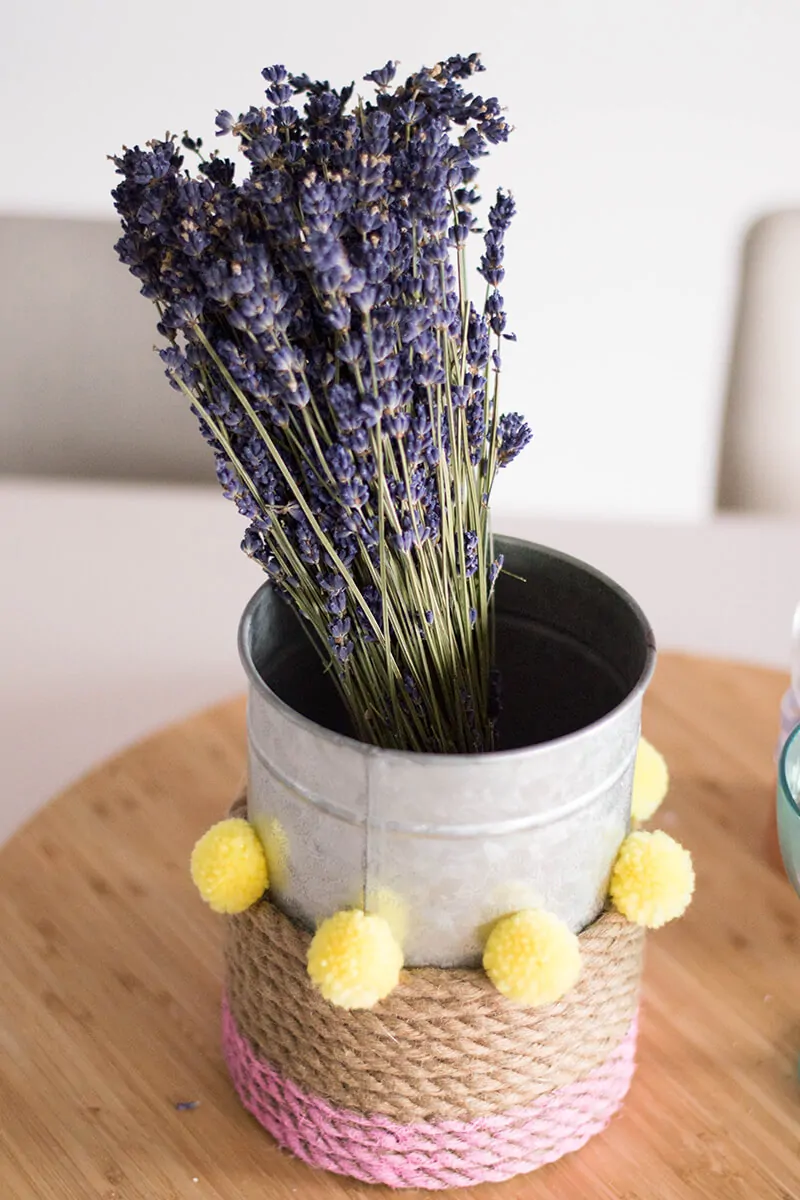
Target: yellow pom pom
354, 959
650, 781
229, 867
653, 879
532, 957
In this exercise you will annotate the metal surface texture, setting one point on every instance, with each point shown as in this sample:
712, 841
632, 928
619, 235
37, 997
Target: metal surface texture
445, 844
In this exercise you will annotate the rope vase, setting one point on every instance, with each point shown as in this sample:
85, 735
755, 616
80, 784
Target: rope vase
434, 961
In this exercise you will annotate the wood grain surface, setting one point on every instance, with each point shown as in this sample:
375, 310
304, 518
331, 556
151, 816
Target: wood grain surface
110, 971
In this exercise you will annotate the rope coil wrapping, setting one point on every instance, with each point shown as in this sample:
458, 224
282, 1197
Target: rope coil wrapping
445, 1082
407, 1058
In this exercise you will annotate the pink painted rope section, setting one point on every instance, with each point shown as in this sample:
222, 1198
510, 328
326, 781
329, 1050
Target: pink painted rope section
377, 1149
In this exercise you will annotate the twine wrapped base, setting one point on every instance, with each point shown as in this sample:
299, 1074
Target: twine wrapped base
445, 1083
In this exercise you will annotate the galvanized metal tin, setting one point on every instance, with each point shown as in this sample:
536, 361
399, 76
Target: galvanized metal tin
444, 844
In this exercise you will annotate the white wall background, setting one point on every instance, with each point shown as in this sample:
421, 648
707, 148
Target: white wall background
648, 136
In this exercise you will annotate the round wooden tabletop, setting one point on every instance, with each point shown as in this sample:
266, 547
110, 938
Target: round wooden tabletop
110, 972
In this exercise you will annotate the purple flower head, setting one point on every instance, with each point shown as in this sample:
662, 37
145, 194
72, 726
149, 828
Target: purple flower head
336, 603
351, 351
491, 267
177, 367
470, 554
429, 372
354, 493
275, 74
364, 299
253, 543
409, 112
513, 435
404, 540
308, 546
476, 433
382, 76
495, 312
500, 215
219, 170
340, 461
396, 425
279, 93
414, 321
337, 314
224, 122
285, 116
459, 66
341, 646
502, 212
464, 225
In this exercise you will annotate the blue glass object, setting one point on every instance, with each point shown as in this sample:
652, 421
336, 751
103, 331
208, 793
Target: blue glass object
789, 807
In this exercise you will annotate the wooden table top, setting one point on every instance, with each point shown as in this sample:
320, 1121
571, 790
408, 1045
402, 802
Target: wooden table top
110, 972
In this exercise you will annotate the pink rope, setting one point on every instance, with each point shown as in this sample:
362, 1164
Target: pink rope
444, 1154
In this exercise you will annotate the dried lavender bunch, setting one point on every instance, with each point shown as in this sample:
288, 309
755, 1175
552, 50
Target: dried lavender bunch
318, 322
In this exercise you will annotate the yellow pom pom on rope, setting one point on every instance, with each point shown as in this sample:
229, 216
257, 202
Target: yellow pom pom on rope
653, 879
354, 959
532, 957
650, 781
229, 867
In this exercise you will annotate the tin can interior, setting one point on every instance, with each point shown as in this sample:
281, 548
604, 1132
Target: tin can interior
570, 649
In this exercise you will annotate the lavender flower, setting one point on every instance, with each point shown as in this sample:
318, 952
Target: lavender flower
470, 559
314, 318
513, 436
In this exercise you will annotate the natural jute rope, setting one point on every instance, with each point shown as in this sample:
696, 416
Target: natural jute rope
444, 1045
427, 1154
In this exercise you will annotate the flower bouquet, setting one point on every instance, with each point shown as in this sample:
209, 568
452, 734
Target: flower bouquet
442, 726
